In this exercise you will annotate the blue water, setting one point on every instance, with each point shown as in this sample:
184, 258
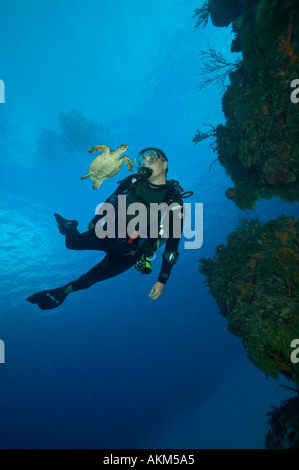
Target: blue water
111, 368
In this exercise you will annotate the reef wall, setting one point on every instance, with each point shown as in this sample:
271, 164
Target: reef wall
254, 278
284, 422
258, 145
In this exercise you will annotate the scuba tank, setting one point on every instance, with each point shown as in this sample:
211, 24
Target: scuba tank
144, 265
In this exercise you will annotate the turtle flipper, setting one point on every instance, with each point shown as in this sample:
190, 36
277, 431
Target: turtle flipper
127, 161
99, 148
85, 176
97, 184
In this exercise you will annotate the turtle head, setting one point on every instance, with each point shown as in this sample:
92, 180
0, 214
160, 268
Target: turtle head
123, 147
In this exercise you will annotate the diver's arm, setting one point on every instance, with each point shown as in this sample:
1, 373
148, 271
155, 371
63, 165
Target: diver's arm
113, 198
170, 255
166, 268
169, 260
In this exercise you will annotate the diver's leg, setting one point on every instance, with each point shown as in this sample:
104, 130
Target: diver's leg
110, 266
63, 223
74, 240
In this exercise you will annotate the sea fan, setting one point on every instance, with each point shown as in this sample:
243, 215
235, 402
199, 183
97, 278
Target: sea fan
214, 63
202, 14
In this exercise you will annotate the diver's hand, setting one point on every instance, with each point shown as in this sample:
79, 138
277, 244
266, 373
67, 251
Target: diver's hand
156, 290
91, 226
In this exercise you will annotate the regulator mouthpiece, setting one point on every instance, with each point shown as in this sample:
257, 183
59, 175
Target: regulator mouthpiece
145, 172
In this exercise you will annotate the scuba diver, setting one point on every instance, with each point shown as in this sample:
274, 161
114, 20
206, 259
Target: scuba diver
148, 186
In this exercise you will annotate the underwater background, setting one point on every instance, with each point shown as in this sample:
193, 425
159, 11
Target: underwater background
111, 368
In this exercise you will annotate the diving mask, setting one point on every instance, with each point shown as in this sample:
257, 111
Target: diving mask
149, 157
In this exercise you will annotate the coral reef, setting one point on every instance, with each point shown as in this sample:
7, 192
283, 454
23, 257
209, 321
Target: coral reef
224, 12
258, 145
284, 422
255, 280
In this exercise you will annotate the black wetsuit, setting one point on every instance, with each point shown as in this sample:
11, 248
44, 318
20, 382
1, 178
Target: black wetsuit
122, 253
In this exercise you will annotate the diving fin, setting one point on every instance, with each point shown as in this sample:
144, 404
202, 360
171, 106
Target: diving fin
63, 223
48, 299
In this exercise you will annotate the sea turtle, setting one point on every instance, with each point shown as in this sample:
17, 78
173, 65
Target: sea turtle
107, 164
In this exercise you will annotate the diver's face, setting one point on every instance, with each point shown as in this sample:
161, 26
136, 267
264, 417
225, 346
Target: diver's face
158, 167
